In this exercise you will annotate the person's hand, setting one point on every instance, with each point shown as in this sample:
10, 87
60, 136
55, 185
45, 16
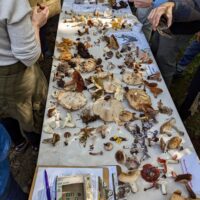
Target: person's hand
198, 36
164, 9
142, 3
40, 16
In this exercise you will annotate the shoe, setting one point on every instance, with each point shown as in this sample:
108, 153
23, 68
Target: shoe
21, 147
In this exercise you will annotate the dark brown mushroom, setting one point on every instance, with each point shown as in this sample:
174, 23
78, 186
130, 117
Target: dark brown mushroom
185, 179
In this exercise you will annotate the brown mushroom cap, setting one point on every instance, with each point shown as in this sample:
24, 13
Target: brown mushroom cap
137, 99
120, 156
167, 126
183, 178
177, 196
125, 116
174, 142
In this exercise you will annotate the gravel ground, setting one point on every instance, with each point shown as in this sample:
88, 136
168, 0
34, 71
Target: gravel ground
23, 165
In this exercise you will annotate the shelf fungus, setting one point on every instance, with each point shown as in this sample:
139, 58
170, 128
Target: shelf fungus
130, 178
71, 100
169, 126
106, 109
132, 78
53, 140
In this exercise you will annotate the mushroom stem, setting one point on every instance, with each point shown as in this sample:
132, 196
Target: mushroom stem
163, 188
191, 192
145, 189
181, 133
96, 153
134, 187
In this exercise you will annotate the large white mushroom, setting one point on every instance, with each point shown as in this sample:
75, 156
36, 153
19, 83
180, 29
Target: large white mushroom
72, 100
131, 178
106, 109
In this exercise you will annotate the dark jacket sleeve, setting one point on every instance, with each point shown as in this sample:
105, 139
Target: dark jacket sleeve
186, 10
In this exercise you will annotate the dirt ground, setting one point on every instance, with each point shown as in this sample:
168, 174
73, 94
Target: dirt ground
23, 165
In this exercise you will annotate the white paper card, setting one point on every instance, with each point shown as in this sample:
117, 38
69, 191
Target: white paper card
190, 164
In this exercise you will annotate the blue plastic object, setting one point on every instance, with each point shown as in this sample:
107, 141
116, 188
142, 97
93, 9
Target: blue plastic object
5, 143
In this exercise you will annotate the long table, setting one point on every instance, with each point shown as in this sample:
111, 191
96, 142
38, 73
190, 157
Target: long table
75, 154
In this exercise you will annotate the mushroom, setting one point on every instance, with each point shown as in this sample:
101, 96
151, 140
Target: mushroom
174, 142
72, 100
164, 109
132, 78
167, 127
125, 116
163, 184
185, 179
120, 157
106, 109
131, 178
177, 196
108, 146
67, 121
103, 130
53, 140
137, 98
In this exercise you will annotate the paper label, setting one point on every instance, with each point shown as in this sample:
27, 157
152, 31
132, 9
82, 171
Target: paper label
190, 164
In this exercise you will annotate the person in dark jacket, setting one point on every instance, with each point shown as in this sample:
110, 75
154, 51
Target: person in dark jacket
166, 49
175, 11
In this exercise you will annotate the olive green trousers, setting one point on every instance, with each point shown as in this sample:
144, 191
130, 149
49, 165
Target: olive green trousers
23, 92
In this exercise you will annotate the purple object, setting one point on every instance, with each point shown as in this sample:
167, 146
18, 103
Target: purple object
48, 193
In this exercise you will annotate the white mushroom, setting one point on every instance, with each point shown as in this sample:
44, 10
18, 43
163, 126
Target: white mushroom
163, 184
67, 121
131, 178
108, 146
72, 100
106, 110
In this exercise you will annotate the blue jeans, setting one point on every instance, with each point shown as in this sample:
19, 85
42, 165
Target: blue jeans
189, 54
14, 192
